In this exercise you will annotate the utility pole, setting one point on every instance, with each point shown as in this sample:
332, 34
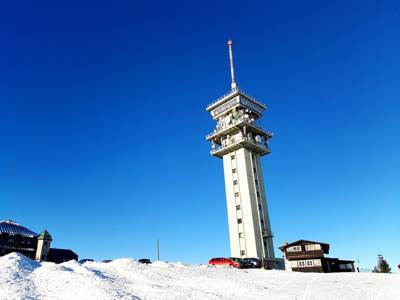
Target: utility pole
158, 249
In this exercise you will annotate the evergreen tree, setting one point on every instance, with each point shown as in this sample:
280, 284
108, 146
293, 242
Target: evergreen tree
382, 266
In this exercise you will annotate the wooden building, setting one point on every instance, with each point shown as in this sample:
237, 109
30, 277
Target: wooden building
309, 256
17, 238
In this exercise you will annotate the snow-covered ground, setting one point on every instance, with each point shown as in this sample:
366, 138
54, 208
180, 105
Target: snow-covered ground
22, 278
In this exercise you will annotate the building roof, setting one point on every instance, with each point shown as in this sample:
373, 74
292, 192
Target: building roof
45, 235
325, 246
13, 228
62, 252
341, 261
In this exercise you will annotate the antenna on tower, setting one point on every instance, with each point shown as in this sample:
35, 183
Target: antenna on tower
233, 84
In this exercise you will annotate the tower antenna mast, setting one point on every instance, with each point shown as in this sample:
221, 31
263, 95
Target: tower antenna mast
233, 84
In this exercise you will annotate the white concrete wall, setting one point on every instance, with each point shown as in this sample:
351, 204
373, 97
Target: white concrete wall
251, 241
43, 249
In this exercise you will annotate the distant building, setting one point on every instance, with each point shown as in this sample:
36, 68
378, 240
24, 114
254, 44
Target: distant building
17, 238
308, 256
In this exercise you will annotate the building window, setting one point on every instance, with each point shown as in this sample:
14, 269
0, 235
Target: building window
304, 263
234, 170
262, 221
235, 182
237, 194
237, 207
258, 195
313, 247
240, 234
233, 156
294, 249
239, 221
242, 252
256, 181
259, 207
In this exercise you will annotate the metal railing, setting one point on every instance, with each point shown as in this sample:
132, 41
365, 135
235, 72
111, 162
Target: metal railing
234, 123
237, 141
236, 89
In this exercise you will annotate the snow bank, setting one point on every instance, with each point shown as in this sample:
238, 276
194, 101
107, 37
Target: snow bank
22, 278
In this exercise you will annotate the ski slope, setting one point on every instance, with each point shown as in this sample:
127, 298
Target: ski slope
22, 278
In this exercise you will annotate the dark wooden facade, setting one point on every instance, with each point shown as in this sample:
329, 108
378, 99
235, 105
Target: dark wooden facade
17, 238
17, 243
309, 256
59, 256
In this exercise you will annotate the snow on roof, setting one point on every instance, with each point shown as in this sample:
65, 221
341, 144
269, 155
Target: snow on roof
303, 242
13, 228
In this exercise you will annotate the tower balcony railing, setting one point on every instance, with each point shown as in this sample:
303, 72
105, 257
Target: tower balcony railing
235, 123
246, 142
267, 234
236, 89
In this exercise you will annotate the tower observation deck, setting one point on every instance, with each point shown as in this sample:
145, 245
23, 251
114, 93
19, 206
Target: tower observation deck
240, 142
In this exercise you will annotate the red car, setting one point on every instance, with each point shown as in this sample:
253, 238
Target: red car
221, 261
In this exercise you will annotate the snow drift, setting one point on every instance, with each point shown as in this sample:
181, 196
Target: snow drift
22, 278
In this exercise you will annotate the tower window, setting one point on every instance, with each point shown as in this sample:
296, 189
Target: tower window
242, 252
237, 194
240, 234
237, 207
254, 170
233, 156
256, 181
239, 221
234, 170
259, 206
235, 182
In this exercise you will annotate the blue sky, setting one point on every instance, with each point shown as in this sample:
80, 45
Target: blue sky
103, 122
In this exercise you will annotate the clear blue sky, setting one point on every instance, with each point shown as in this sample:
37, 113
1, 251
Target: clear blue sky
103, 122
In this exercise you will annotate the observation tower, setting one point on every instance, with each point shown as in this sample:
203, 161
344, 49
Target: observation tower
240, 142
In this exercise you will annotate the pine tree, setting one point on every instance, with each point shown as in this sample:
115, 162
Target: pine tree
382, 266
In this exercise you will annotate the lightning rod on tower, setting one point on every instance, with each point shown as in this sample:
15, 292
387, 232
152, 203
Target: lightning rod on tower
233, 84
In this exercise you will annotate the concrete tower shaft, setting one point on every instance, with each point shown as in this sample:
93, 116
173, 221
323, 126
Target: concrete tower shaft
240, 142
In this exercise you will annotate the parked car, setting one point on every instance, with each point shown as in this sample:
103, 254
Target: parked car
256, 262
82, 261
107, 260
243, 264
222, 261
144, 261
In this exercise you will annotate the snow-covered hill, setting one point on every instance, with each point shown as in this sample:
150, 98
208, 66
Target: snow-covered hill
22, 278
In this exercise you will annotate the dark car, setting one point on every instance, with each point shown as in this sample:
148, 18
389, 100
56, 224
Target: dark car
255, 262
222, 261
242, 262
82, 261
144, 261
107, 261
